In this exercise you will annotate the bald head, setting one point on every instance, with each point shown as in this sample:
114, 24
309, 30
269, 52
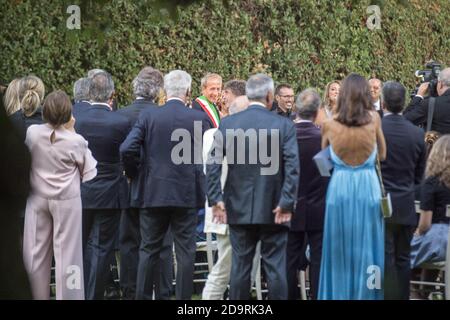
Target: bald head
239, 104
375, 86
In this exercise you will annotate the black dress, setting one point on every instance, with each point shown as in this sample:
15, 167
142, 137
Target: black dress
435, 197
21, 122
432, 246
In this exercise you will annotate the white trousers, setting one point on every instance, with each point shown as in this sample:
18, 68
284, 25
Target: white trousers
219, 277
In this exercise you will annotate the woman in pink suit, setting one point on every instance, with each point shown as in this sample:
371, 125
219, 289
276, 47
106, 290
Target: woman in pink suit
61, 160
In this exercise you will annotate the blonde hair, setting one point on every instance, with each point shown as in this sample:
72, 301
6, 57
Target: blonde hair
326, 94
438, 164
31, 94
11, 98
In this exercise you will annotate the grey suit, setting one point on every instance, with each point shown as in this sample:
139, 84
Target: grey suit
250, 195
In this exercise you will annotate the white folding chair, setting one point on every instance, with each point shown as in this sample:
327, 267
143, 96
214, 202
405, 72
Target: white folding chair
210, 247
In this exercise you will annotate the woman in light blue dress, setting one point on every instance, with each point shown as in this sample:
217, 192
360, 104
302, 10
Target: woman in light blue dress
353, 245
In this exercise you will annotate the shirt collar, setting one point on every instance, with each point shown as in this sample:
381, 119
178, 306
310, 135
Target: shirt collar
101, 103
175, 98
377, 105
387, 113
252, 103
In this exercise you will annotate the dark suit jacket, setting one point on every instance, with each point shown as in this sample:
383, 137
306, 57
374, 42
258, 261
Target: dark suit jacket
290, 114
312, 189
132, 112
21, 123
381, 113
403, 167
79, 107
250, 196
196, 106
160, 181
417, 112
105, 131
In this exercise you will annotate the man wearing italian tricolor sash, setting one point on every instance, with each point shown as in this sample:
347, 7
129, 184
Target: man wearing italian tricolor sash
211, 85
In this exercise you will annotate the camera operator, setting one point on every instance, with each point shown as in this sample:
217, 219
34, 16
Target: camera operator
417, 111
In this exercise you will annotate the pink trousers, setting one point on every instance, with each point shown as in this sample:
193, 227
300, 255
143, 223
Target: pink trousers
53, 227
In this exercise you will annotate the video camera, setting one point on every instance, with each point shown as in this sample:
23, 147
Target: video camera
430, 74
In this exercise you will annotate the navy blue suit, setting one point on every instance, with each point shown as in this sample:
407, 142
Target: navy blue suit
130, 236
79, 107
401, 171
133, 111
307, 223
105, 131
104, 196
250, 195
167, 191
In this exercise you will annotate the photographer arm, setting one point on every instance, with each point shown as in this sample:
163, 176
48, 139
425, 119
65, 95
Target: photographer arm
417, 110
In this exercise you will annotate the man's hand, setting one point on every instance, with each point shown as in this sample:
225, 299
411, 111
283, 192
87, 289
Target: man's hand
423, 89
282, 216
219, 213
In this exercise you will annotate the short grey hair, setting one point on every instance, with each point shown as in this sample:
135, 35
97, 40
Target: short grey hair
444, 77
207, 77
93, 72
258, 87
148, 83
239, 104
81, 89
308, 103
101, 87
177, 83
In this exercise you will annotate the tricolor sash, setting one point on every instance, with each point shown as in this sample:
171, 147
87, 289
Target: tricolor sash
210, 110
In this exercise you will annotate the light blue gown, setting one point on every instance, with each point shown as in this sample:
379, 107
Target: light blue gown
352, 265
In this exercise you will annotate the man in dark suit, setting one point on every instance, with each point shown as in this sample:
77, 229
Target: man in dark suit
417, 111
104, 196
401, 171
307, 223
146, 88
260, 192
168, 181
80, 96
